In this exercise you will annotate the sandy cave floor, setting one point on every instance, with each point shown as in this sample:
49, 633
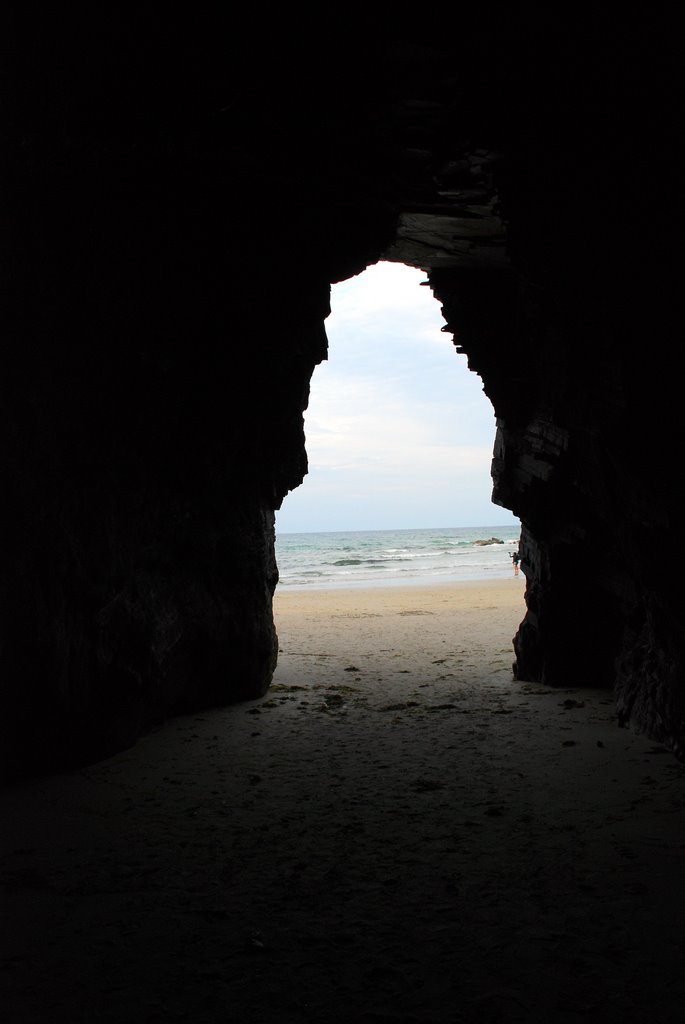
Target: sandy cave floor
397, 832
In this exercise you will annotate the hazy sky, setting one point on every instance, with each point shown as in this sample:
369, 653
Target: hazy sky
399, 431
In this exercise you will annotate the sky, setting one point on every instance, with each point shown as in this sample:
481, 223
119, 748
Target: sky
399, 431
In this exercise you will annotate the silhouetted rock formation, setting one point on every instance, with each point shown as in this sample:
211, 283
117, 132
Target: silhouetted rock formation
180, 203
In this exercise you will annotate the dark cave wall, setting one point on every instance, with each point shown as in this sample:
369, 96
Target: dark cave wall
168, 285
573, 347
175, 213
152, 422
149, 445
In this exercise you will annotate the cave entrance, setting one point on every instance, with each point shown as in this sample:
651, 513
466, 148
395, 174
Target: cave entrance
396, 505
399, 439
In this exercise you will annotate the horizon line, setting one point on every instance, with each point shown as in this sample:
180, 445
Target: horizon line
395, 529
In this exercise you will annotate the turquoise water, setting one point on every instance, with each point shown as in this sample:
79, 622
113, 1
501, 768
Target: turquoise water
389, 557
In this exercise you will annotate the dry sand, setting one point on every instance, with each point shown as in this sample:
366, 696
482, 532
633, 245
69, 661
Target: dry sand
397, 832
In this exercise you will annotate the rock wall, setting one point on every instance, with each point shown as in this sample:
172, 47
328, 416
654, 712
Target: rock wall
174, 229
178, 206
573, 344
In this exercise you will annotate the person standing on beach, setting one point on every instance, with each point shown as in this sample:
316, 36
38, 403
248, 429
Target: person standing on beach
515, 557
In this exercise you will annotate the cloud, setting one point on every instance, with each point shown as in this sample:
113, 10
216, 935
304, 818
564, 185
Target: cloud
397, 427
384, 291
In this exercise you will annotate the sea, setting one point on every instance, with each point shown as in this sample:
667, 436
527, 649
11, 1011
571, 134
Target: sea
363, 558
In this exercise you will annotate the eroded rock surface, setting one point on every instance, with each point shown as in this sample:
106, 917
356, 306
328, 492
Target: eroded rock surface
177, 214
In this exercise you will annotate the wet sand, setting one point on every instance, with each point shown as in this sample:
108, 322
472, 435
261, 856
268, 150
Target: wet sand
398, 831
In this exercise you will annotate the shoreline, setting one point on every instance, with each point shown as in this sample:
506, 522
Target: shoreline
396, 583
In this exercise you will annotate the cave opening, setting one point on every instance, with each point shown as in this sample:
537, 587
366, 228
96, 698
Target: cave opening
399, 437
395, 516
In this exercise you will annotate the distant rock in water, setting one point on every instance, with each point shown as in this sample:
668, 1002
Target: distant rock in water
493, 540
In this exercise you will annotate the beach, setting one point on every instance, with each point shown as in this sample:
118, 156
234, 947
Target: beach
397, 832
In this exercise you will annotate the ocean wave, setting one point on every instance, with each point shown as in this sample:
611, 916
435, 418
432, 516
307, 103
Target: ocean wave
330, 558
371, 561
